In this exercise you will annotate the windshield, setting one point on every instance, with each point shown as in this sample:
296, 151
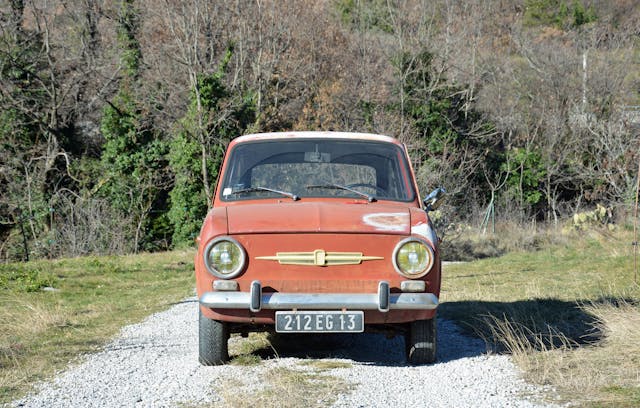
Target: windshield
317, 168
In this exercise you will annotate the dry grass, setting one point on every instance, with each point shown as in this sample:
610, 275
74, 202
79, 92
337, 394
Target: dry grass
567, 313
21, 320
307, 384
286, 387
42, 331
469, 244
24, 319
604, 373
326, 364
247, 351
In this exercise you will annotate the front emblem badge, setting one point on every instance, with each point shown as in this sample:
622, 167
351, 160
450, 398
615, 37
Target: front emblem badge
319, 258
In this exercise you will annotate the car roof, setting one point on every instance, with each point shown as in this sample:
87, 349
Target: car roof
314, 135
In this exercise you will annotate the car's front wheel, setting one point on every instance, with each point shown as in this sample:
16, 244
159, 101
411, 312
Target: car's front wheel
213, 338
421, 342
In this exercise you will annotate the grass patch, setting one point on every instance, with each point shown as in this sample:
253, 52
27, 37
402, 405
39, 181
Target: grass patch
307, 384
606, 373
253, 343
26, 278
567, 312
326, 364
302, 386
248, 351
246, 360
86, 302
468, 244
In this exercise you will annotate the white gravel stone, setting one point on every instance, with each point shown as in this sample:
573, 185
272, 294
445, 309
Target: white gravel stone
155, 364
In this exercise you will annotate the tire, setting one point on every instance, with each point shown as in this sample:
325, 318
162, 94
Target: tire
421, 342
213, 338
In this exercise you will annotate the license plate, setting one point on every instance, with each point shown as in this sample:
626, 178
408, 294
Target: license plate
320, 322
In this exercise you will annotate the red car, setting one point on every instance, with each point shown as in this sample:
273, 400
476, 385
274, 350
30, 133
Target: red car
318, 232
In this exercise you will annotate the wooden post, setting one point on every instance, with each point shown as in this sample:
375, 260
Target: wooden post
635, 230
24, 236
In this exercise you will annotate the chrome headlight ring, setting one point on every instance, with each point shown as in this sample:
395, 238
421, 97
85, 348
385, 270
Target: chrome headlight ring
413, 258
225, 258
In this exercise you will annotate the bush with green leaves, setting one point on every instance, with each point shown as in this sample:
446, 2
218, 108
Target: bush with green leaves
134, 154
216, 115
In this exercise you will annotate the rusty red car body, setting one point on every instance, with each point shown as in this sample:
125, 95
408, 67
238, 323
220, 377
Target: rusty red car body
318, 232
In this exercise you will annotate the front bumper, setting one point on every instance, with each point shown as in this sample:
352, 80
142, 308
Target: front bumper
383, 301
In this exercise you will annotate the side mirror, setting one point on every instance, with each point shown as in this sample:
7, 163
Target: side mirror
434, 199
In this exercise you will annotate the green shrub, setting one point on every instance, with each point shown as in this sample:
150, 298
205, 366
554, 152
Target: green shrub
24, 278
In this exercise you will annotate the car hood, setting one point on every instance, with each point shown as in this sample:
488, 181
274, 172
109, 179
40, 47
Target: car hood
318, 217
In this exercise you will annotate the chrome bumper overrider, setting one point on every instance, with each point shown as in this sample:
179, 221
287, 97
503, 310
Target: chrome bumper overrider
383, 301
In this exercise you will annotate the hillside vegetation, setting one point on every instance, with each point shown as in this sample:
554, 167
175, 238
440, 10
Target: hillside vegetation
114, 114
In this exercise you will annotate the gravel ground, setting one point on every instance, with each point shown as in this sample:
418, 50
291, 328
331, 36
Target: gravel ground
155, 364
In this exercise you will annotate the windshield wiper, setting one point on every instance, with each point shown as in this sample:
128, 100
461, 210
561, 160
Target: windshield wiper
292, 196
369, 198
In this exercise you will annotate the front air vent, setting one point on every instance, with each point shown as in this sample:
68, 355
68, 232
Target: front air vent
319, 258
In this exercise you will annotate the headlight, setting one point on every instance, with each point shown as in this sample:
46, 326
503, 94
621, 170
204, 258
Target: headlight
413, 258
224, 258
